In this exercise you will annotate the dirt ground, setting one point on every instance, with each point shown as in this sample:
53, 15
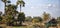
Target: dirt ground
28, 25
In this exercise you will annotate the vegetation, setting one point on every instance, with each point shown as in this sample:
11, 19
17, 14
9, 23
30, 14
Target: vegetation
21, 18
10, 12
14, 18
0, 16
28, 18
58, 19
21, 3
46, 16
52, 22
37, 19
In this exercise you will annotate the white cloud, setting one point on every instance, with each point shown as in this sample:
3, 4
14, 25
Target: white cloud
32, 7
49, 5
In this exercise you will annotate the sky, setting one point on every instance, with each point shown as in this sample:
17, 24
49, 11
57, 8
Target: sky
37, 7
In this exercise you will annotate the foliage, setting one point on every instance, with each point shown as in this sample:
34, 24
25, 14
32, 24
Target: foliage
10, 11
21, 16
28, 18
21, 3
39, 19
0, 18
52, 22
8, 1
46, 16
4, 0
58, 19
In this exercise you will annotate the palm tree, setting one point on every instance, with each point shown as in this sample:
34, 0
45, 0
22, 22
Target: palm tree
22, 4
5, 1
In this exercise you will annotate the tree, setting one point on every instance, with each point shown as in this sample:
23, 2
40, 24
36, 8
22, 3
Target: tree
11, 9
21, 17
46, 16
40, 19
21, 2
5, 1
28, 18
10, 13
37, 19
58, 20
0, 16
52, 22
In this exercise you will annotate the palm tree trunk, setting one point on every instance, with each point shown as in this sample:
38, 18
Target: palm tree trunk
5, 7
5, 4
20, 8
5, 11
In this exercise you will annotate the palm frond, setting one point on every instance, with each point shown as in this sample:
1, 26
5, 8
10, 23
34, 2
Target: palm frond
4, 0
8, 1
21, 3
17, 3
